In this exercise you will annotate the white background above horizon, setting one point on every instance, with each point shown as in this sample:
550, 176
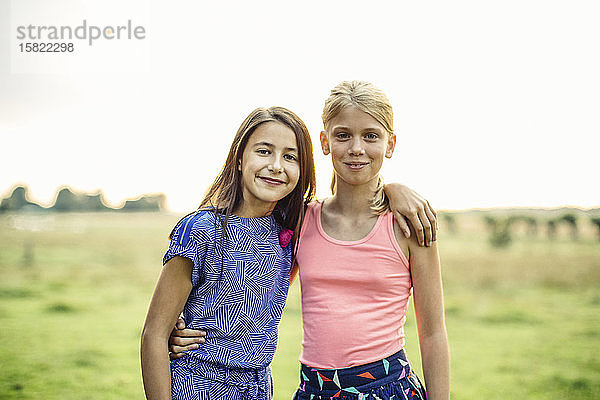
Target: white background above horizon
495, 103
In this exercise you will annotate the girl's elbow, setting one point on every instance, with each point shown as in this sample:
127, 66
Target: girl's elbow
150, 335
433, 331
145, 340
434, 338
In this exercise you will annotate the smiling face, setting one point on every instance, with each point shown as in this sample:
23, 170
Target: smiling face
269, 167
358, 144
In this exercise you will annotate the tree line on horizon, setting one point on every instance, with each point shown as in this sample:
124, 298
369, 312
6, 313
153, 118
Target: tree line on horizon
501, 228
68, 200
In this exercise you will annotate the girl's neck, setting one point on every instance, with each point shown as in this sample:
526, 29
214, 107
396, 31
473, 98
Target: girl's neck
246, 210
352, 200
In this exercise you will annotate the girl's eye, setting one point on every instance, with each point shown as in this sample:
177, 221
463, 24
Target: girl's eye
371, 136
290, 157
342, 135
262, 151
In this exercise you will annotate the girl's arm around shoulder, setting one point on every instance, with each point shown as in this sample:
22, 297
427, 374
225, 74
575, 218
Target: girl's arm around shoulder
429, 310
171, 292
406, 203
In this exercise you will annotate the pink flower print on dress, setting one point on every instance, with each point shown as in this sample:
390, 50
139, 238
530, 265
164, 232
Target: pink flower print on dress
285, 236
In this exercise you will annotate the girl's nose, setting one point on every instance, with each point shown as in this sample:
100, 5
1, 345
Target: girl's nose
356, 148
275, 165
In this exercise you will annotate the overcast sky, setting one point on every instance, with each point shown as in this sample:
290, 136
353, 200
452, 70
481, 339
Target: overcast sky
495, 103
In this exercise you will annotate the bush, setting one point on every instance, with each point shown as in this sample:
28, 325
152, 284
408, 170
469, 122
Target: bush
500, 231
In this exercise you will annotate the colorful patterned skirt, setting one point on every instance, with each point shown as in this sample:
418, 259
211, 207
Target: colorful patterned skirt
387, 379
201, 380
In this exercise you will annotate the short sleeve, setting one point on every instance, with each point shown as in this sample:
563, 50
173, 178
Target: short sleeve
188, 241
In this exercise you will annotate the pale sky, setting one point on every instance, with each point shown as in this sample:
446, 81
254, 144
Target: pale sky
495, 103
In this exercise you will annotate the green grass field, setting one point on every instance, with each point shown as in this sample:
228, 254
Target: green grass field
523, 321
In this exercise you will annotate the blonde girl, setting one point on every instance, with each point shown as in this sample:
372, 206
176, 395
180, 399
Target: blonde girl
357, 271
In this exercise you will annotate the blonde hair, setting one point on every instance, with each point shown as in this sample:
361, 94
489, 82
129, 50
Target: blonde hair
370, 99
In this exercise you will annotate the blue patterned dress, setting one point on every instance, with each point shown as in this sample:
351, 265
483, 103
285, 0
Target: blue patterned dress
239, 290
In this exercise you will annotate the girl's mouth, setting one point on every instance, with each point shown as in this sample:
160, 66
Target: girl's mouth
271, 181
356, 165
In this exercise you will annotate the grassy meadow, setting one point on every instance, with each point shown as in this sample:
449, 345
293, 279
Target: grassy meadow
523, 320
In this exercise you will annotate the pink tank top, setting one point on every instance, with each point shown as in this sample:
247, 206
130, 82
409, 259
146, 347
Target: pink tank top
354, 294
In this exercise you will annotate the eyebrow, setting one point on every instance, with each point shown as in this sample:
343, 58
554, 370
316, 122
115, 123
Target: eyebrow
345, 128
271, 145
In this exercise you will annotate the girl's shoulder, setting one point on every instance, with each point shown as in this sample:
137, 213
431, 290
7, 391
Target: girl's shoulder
313, 205
312, 209
198, 218
195, 225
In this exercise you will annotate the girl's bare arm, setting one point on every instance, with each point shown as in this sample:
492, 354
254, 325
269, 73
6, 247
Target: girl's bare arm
171, 292
429, 310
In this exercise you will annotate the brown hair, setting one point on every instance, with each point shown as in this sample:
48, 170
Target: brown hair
225, 194
368, 98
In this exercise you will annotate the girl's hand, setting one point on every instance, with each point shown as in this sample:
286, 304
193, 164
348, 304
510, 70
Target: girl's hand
183, 339
406, 203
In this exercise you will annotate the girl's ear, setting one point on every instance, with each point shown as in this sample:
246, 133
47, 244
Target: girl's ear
324, 142
391, 144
